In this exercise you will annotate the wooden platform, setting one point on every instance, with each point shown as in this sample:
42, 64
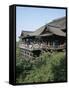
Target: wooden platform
30, 53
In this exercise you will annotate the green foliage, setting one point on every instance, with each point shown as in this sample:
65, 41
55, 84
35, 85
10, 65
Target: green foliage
59, 67
48, 67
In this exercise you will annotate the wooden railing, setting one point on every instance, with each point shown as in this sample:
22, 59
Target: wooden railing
41, 46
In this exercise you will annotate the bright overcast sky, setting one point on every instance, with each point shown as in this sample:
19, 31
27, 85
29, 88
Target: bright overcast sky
30, 19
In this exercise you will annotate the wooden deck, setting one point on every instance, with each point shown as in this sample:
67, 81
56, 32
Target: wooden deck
29, 52
40, 47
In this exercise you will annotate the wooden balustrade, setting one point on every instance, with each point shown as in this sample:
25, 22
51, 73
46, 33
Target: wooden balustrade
39, 46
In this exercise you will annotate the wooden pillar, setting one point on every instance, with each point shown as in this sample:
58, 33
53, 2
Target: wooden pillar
48, 44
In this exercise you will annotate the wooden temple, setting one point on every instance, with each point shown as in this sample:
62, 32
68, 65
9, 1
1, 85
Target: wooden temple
49, 37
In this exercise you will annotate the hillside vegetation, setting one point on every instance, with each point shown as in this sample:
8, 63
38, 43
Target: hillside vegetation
49, 67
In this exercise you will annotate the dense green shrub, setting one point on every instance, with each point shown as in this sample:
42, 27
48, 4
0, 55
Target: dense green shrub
48, 67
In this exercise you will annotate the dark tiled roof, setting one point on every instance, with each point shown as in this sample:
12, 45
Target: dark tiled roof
55, 27
60, 23
56, 31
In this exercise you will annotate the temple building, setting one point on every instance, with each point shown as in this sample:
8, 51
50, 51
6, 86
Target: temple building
49, 37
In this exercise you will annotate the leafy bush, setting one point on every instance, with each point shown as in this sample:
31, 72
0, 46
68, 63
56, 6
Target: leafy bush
48, 67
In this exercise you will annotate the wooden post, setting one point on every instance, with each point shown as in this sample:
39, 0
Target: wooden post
48, 44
